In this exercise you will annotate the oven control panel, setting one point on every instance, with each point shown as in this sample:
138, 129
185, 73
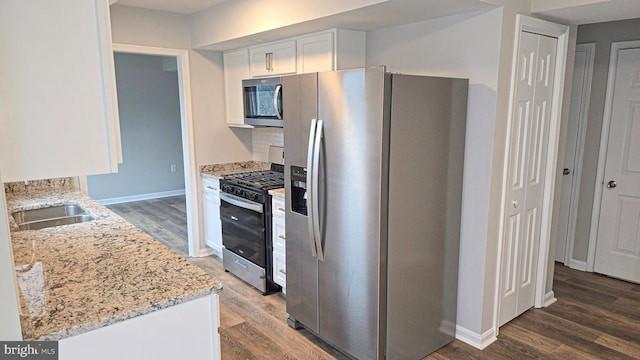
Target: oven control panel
242, 192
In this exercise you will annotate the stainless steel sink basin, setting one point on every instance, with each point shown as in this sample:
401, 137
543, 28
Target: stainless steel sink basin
51, 216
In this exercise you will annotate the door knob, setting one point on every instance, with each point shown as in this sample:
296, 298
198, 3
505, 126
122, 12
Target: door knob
566, 171
611, 184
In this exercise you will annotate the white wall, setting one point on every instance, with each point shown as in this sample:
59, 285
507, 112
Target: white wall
214, 141
131, 25
230, 20
150, 125
467, 46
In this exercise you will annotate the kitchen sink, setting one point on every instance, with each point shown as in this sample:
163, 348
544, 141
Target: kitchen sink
51, 216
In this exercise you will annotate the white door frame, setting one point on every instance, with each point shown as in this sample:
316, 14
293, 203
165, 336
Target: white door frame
561, 32
590, 50
604, 146
191, 174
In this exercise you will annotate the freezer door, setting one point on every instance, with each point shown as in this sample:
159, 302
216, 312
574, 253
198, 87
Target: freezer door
299, 107
354, 107
427, 123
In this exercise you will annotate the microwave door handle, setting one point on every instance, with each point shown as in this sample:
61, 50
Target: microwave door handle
276, 96
312, 136
314, 190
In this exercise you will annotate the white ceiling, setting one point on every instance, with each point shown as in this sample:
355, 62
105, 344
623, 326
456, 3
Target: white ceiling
595, 12
175, 6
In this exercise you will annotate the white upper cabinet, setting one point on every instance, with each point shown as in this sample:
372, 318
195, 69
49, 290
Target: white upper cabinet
273, 59
315, 53
334, 49
58, 106
236, 69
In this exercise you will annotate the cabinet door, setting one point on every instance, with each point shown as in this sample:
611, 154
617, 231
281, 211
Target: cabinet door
212, 223
58, 107
315, 53
279, 243
273, 59
236, 69
279, 238
279, 270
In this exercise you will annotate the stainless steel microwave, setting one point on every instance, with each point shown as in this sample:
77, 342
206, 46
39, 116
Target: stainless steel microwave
262, 100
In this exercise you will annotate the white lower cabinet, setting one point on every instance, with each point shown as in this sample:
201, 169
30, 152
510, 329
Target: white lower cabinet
211, 214
160, 335
279, 243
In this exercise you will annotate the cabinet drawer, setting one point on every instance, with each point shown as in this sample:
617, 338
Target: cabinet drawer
210, 184
279, 238
279, 269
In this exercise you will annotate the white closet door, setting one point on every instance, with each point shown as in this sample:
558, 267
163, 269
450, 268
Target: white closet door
526, 172
618, 243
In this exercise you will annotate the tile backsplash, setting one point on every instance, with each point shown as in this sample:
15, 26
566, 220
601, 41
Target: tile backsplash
261, 138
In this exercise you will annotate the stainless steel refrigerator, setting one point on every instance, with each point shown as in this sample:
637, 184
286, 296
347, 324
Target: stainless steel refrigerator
373, 181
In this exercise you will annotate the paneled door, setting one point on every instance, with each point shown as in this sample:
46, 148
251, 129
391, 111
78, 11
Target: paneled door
576, 130
618, 241
529, 140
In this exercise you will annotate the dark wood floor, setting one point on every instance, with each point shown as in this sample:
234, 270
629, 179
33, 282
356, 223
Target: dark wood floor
595, 317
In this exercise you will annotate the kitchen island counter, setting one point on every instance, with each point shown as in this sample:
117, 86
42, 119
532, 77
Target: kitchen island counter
77, 278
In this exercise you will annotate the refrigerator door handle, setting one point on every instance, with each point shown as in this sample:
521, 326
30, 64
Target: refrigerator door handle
312, 136
314, 190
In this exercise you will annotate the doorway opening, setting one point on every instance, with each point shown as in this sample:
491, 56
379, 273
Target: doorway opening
174, 156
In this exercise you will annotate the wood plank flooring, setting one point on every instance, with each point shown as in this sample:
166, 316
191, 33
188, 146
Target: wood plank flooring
164, 219
595, 317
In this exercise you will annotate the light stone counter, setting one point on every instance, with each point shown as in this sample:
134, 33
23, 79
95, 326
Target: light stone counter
219, 170
277, 192
77, 278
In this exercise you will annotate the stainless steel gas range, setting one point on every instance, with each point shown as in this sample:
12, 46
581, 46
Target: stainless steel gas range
245, 211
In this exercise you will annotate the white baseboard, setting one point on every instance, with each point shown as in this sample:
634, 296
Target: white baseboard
478, 341
549, 298
578, 265
149, 196
214, 249
204, 252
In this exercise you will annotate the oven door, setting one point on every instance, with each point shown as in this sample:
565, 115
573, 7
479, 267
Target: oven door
243, 228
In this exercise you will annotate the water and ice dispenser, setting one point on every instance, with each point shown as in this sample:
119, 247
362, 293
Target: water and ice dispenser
299, 189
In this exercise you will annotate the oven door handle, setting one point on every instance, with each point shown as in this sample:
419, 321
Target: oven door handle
240, 202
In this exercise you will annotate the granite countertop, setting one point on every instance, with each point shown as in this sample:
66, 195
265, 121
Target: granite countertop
277, 192
80, 277
218, 171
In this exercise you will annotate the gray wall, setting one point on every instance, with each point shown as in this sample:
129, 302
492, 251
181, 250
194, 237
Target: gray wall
602, 34
148, 101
